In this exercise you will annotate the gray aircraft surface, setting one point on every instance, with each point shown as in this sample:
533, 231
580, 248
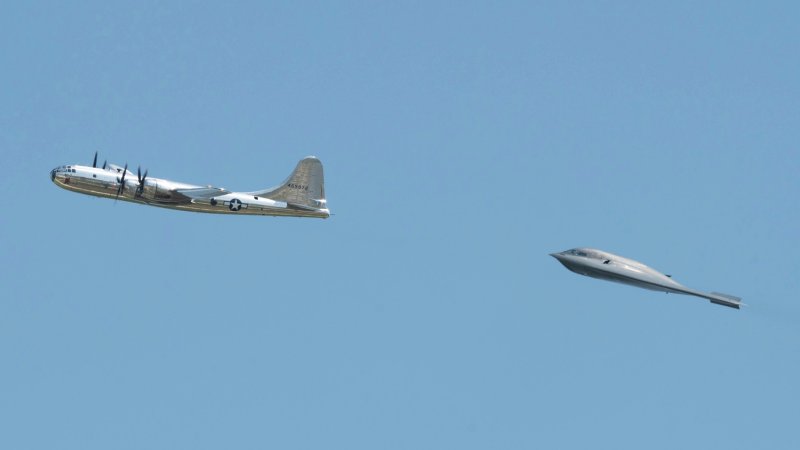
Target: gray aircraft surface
301, 195
607, 266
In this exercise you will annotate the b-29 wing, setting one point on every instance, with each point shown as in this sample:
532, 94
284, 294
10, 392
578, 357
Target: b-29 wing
201, 193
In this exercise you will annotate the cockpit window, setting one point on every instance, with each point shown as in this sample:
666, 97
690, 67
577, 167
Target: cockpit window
585, 253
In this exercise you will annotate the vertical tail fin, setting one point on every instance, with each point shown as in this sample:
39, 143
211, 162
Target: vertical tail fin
304, 189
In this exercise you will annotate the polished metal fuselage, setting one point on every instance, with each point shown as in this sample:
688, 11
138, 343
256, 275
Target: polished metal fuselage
164, 193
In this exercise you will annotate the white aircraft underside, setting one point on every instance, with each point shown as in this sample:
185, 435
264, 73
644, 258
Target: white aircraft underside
608, 266
301, 195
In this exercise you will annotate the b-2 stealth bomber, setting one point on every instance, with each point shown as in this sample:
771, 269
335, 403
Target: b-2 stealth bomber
608, 266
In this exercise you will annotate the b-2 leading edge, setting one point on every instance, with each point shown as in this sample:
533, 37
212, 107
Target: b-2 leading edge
607, 266
300, 195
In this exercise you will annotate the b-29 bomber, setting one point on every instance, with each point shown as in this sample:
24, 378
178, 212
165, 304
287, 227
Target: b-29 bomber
302, 194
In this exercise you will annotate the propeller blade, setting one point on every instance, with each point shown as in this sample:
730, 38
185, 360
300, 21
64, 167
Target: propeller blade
142, 178
94, 163
104, 164
122, 181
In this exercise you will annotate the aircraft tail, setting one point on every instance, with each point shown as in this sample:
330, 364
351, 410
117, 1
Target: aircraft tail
725, 300
303, 190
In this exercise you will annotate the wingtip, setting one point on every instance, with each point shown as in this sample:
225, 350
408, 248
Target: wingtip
731, 301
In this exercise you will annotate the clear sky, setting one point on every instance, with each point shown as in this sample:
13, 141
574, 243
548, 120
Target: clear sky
462, 143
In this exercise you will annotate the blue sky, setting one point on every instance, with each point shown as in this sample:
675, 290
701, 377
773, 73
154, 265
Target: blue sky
462, 144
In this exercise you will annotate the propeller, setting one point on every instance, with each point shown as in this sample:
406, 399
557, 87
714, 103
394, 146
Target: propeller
104, 164
140, 188
121, 181
94, 163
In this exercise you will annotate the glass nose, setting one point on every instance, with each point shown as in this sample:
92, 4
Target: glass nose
53, 175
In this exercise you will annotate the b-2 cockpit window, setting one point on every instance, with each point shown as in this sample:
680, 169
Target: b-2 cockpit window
585, 253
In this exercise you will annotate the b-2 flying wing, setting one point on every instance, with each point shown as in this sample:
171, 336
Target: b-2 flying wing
608, 266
